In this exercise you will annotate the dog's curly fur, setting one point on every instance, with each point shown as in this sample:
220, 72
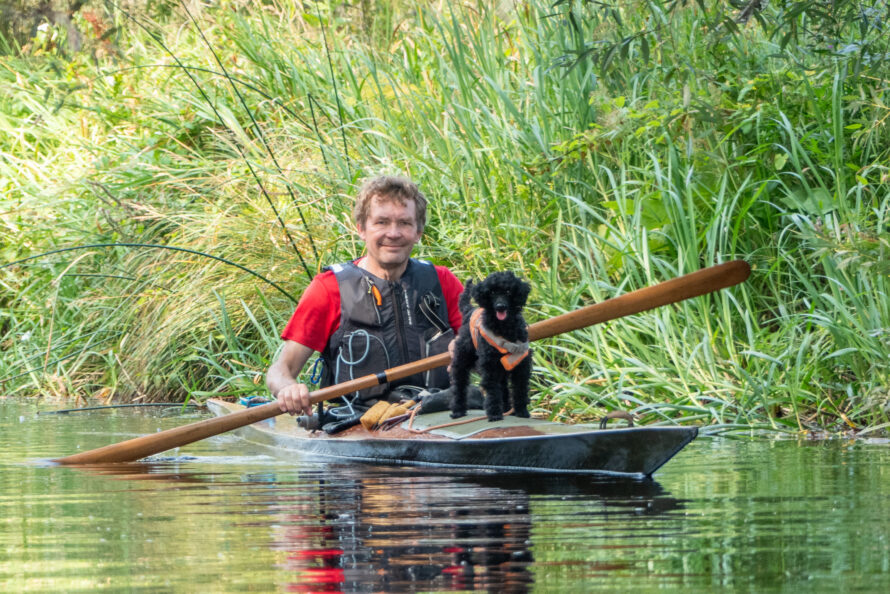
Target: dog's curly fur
505, 292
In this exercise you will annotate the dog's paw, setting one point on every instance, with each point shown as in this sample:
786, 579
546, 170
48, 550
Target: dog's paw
456, 414
495, 418
522, 413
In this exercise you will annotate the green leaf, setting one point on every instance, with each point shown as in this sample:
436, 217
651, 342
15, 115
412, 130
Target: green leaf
815, 202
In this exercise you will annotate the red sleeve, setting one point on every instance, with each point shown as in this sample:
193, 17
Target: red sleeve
451, 288
317, 315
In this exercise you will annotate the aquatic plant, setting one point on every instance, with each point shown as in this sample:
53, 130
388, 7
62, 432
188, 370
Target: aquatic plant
593, 147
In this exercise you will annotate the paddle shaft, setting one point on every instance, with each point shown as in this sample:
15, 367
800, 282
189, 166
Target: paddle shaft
684, 287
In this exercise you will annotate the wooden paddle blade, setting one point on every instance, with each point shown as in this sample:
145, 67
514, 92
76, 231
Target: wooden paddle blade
155, 443
685, 287
694, 284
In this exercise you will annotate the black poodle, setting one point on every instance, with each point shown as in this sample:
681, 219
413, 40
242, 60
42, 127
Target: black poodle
494, 340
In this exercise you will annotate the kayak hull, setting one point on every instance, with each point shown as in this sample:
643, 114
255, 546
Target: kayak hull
527, 445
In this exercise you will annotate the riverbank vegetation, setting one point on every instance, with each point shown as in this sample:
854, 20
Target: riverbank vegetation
172, 175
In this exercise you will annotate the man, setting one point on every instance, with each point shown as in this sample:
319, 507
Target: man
380, 311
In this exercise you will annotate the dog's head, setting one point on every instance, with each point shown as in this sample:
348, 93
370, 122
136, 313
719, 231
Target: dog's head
501, 293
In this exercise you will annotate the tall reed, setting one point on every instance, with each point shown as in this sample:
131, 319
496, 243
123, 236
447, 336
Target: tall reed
595, 148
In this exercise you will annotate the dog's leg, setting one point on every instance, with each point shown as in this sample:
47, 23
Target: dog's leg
461, 367
505, 394
494, 384
520, 378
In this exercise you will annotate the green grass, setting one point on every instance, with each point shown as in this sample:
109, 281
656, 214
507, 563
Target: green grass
593, 150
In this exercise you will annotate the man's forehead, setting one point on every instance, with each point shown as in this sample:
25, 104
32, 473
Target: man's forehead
387, 204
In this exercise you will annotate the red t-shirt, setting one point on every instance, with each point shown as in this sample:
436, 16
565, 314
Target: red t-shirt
317, 316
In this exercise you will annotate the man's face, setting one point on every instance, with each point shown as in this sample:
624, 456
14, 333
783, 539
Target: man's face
390, 233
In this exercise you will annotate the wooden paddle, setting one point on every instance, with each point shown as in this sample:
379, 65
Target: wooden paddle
684, 287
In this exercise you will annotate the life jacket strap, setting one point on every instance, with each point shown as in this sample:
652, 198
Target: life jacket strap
514, 352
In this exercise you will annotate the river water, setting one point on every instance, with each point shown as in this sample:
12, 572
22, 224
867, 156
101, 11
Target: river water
223, 516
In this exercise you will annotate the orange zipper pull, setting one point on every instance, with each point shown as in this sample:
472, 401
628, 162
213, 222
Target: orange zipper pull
378, 298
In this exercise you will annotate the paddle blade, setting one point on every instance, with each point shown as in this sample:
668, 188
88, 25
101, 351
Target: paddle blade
155, 443
694, 284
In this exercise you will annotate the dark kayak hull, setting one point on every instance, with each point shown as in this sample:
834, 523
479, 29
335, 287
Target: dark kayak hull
562, 449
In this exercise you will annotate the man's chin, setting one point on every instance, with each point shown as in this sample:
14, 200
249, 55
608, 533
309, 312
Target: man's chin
392, 261
393, 255
390, 256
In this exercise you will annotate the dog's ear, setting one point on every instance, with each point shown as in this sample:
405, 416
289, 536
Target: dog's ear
468, 289
524, 290
479, 293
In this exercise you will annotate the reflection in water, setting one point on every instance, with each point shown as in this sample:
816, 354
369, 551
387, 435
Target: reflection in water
754, 515
143, 471
388, 533
373, 530
359, 528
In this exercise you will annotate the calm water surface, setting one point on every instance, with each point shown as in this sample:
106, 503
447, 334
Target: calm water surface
751, 515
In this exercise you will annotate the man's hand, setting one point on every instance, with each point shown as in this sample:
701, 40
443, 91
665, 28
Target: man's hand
292, 396
294, 399
451, 352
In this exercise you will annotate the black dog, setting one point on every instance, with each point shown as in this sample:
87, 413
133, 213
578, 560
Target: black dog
494, 340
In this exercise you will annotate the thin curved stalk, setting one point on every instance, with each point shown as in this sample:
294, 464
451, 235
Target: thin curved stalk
154, 246
256, 127
241, 82
324, 36
237, 146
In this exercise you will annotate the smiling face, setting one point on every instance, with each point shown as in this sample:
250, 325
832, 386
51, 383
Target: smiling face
390, 232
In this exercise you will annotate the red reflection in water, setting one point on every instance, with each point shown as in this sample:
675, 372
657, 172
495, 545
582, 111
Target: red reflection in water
324, 575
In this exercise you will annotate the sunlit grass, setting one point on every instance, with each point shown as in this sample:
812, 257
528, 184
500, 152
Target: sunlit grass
592, 156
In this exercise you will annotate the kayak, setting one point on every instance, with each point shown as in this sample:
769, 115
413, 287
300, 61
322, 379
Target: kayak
514, 444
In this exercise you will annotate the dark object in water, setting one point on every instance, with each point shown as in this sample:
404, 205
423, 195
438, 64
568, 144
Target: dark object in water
132, 405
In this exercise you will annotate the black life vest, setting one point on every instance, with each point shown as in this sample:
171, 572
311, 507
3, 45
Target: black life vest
384, 324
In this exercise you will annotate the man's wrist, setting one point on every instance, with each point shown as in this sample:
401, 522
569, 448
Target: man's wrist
284, 387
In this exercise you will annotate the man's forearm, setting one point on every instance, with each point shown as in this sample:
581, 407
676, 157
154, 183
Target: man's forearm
285, 370
278, 377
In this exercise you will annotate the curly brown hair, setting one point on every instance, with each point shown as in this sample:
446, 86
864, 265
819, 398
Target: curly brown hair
389, 188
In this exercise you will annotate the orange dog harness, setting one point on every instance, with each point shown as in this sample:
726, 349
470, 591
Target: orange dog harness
514, 352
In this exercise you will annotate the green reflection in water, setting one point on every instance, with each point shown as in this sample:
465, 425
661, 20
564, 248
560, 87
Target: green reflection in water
743, 514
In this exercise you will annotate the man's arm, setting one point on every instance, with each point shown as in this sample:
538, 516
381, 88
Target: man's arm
292, 396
